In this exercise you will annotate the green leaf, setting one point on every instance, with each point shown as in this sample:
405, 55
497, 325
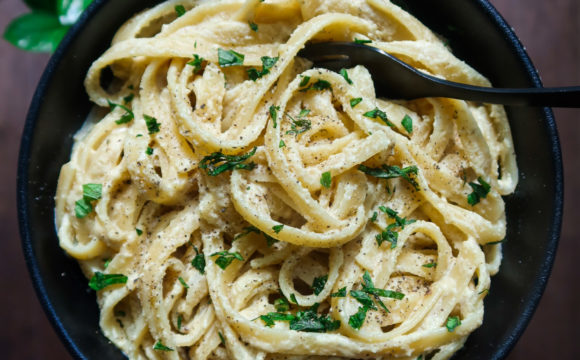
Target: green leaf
197, 63
180, 10
362, 41
452, 323
126, 117
229, 58
340, 293
198, 261
149, 151
253, 26
319, 283
282, 304
274, 114
152, 124
356, 320
36, 31
70, 10
344, 74
183, 283
378, 113
282, 144
389, 172
355, 101
92, 191
305, 80
277, 228
216, 163
222, 339
310, 321
160, 347
225, 258
138, 231
479, 191
430, 265
407, 123
326, 179
99, 281
267, 64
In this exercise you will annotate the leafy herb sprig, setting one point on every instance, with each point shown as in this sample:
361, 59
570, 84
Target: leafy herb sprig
84, 206
390, 172
390, 233
304, 320
42, 29
217, 162
225, 258
99, 281
267, 63
479, 191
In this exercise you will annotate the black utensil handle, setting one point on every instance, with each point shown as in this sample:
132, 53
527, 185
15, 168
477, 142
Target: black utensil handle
551, 97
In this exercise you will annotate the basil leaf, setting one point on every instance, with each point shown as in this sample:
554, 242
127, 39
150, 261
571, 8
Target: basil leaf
70, 10
99, 281
92, 191
36, 31
83, 208
229, 58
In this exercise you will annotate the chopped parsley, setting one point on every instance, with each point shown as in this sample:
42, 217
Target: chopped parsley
282, 144
304, 320
229, 58
160, 347
139, 231
149, 151
152, 124
198, 261
378, 113
390, 172
344, 74
253, 26
277, 228
355, 101
269, 239
267, 64
99, 281
180, 10
374, 217
127, 99
407, 123
126, 117
197, 63
390, 234
356, 320
340, 293
479, 191
222, 339
106, 264
274, 114
91, 192
282, 304
179, 320
225, 258
362, 41
319, 283
216, 163
326, 179
318, 85
452, 323
430, 265
300, 124
293, 299
183, 282
305, 80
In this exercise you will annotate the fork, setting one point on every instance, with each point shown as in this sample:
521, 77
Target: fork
396, 79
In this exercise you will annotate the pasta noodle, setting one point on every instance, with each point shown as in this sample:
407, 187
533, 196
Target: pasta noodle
229, 201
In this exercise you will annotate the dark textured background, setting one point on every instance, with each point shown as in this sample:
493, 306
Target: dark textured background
550, 30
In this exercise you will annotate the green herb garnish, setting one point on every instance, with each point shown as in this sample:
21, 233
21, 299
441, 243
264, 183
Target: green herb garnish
149, 151
374, 217
452, 323
390, 172
180, 10
160, 347
183, 282
138, 231
197, 63
319, 283
152, 124
479, 191
99, 281
344, 74
430, 265
362, 41
229, 58
340, 293
305, 80
198, 261
126, 117
378, 113
91, 192
274, 114
299, 125
253, 26
282, 144
407, 123
225, 258
282, 304
355, 101
356, 320
267, 64
217, 163
326, 179
277, 228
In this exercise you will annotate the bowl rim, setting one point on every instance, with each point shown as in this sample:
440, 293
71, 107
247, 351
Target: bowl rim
31, 119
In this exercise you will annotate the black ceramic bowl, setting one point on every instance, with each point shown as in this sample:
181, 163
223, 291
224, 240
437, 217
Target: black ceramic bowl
476, 33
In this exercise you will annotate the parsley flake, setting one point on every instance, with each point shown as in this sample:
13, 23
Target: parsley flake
319, 283
355, 101
344, 74
225, 258
99, 281
407, 123
126, 117
253, 26
229, 58
390, 172
479, 191
216, 163
180, 10
277, 228
326, 179
149, 151
452, 323
267, 64
152, 124
91, 192
273, 110
282, 144
340, 293
197, 63
373, 114
198, 261
183, 282
305, 80
362, 41
430, 265
160, 347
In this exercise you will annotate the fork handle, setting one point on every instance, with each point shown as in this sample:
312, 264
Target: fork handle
552, 97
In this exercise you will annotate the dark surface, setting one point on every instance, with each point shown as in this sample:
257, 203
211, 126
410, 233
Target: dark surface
552, 331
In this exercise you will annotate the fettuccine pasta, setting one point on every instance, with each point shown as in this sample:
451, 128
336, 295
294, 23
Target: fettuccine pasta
228, 201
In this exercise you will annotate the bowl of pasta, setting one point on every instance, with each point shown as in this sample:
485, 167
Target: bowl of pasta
190, 188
